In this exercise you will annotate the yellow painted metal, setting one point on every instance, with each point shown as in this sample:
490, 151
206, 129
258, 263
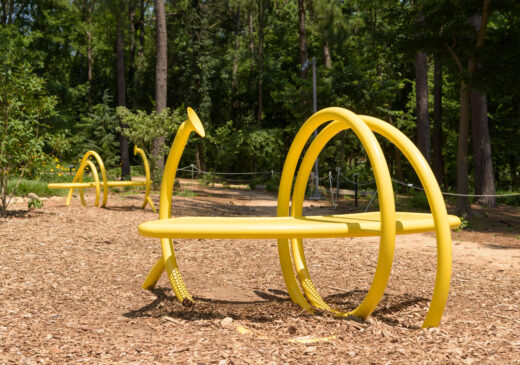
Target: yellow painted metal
438, 209
319, 226
148, 182
290, 227
343, 119
77, 182
192, 124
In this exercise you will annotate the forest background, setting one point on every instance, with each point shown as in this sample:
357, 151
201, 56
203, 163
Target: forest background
107, 74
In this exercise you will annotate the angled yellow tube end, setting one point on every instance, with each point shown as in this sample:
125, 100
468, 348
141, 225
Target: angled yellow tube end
197, 124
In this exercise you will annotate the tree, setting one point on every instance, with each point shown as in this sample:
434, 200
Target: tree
438, 166
121, 88
24, 106
463, 206
161, 75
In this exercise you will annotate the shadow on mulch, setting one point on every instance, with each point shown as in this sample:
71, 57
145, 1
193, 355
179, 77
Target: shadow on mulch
275, 306
24, 213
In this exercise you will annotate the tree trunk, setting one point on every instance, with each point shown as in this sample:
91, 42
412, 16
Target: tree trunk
160, 81
251, 43
421, 92
200, 156
301, 33
463, 206
234, 76
260, 63
121, 97
89, 6
327, 61
484, 179
438, 164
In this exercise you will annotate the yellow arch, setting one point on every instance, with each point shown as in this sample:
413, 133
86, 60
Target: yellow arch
147, 199
343, 119
80, 173
438, 209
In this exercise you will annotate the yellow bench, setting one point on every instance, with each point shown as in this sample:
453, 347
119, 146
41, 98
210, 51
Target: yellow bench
289, 227
77, 182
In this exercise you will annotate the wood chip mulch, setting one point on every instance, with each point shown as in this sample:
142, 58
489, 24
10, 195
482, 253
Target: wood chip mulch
70, 292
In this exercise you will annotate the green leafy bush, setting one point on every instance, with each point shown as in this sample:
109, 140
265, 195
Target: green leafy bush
24, 106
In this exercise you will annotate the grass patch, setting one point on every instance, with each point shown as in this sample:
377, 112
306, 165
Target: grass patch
37, 187
185, 193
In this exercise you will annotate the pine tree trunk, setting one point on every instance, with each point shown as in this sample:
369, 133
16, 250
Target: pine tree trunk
421, 88
484, 179
327, 61
260, 63
121, 97
160, 81
302, 38
438, 164
234, 76
89, 6
463, 207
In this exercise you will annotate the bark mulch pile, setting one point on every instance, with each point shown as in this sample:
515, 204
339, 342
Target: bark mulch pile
70, 292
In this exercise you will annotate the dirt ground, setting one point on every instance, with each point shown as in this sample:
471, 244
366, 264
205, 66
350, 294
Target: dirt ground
70, 291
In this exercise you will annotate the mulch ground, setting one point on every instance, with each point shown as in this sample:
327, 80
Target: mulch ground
70, 292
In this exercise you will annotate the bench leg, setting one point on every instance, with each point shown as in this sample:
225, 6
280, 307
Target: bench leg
169, 263
154, 274
148, 200
291, 284
172, 270
305, 279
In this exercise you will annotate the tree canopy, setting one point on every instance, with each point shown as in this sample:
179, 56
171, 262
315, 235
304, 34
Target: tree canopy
237, 63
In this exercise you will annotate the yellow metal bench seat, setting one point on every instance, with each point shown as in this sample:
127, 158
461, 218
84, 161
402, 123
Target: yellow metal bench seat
74, 185
341, 225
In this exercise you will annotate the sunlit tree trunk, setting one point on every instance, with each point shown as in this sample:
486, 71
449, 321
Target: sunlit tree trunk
327, 60
121, 94
160, 81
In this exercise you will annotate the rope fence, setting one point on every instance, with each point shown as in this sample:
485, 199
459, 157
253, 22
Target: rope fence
334, 182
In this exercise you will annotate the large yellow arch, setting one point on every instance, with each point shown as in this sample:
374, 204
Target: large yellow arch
343, 119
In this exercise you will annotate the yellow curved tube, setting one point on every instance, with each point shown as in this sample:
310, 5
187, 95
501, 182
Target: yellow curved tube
78, 182
96, 182
289, 224
103, 173
345, 119
438, 209
192, 124
147, 199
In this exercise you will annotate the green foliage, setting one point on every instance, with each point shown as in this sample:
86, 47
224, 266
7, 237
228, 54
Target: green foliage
142, 129
464, 223
98, 130
23, 109
39, 187
34, 203
214, 57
